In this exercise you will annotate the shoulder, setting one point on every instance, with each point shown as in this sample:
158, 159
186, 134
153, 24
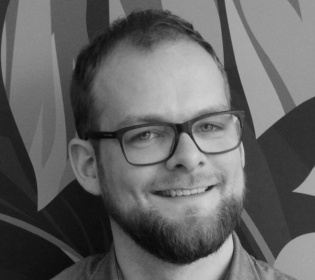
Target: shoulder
84, 269
268, 272
244, 266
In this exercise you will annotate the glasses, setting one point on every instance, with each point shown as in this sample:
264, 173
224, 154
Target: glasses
152, 143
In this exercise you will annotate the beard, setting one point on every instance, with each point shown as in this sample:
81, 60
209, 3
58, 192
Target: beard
177, 242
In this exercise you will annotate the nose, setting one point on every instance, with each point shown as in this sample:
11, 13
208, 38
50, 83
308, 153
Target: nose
186, 156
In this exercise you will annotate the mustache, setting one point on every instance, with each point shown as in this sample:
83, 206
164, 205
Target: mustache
175, 181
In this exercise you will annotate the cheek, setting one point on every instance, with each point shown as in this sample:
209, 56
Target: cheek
237, 174
230, 165
125, 182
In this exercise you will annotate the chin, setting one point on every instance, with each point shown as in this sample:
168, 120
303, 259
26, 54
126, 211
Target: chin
180, 242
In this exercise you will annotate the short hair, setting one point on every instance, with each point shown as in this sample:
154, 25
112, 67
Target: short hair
143, 30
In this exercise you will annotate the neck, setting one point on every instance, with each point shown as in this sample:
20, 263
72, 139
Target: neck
136, 264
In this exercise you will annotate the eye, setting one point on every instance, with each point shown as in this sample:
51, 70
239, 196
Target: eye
143, 137
207, 127
146, 135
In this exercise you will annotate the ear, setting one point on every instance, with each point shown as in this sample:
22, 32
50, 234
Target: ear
242, 151
83, 162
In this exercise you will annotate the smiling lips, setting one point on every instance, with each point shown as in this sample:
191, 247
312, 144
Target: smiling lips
174, 193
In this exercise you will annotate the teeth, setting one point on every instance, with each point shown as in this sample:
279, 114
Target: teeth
186, 192
174, 193
194, 191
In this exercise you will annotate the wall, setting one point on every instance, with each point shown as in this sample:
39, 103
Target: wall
47, 221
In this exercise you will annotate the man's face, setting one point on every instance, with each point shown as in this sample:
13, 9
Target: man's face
176, 82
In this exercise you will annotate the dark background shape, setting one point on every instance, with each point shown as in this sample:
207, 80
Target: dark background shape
276, 164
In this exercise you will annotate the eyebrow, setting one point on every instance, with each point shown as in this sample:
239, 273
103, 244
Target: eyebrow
139, 119
134, 119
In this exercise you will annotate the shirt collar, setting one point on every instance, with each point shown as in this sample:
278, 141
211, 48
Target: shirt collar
241, 265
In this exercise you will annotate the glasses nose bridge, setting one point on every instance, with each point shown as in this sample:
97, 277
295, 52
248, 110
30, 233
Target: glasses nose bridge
183, 128
179, 129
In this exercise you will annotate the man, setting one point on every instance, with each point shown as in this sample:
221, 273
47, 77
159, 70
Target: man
159, 142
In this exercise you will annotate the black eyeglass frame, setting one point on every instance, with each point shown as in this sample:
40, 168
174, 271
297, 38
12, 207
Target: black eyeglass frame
178, 129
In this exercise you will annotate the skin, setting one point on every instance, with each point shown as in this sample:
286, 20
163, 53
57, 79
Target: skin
175, 82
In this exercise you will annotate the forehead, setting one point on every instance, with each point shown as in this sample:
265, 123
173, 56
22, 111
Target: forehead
174, 82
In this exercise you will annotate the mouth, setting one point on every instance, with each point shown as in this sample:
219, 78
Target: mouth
183, 192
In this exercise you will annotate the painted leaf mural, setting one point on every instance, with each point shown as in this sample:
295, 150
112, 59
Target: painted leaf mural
47, 221
34, 132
